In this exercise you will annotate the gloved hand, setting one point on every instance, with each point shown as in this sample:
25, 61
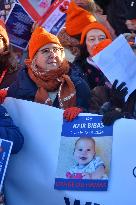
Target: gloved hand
3, 94
110, 117
118, 94
71, 113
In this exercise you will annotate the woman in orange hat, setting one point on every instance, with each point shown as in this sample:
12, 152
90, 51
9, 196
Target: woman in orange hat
79, 14
48, 77
94, 38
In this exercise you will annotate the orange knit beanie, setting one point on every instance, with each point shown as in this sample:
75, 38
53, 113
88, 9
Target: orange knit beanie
94, 25
100, 46
3, 32
39, 38
77, 18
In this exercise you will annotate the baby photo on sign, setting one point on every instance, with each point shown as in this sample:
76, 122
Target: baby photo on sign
84, 163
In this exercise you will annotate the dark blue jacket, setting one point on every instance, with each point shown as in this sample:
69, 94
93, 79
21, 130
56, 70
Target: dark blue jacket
93, 76
24, 88
8, 131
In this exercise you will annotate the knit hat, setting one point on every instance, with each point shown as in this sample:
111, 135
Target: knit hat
39, 38
94, 25
77, 18
3, 32
100, 46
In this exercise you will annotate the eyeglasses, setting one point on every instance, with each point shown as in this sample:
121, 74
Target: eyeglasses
47, 51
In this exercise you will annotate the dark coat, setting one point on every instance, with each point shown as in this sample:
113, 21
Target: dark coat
130, 106
8, 131
92, 75
8, 79
24, 88
118, 12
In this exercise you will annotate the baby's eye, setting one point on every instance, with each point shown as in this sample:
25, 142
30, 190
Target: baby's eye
80, 150
88, 150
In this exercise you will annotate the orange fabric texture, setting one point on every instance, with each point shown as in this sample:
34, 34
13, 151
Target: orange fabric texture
100, 46
55, 80
94, 25
3, 32
39, 38
77, 18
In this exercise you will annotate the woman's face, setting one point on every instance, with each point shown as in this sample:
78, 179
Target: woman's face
93, 37
49, 57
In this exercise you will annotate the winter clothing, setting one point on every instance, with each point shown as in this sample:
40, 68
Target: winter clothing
8, 131
69, 42
56, 87
52, 80
8, 71
3, 94
8, 78
94, 25
90, 72
130, 106
39, 38
118, 11
71, 113
25, 88
77, 18
100, 46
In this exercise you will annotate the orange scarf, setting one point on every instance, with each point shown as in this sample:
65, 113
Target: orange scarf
50, 82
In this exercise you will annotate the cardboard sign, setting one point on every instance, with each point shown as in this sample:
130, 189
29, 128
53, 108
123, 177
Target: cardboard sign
83, 164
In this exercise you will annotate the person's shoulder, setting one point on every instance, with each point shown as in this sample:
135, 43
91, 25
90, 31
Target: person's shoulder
24, 78
98, 161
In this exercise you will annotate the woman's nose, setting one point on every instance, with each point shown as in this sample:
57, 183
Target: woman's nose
96, 41
52, 54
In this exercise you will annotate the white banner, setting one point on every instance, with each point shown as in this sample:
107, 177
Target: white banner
31, 173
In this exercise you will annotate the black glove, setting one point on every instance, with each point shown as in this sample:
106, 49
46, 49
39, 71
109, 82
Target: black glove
110, 117
118, 94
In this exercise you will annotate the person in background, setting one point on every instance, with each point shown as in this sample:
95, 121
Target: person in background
119, 13
8, 64
94, 38
78, 15
104, 96
9, 131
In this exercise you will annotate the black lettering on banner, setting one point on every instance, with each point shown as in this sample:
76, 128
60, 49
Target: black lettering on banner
134, 172
77, 202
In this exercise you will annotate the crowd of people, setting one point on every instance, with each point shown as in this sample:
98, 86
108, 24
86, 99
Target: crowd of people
78, 86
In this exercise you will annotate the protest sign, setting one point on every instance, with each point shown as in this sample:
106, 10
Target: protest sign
19, 25
83, 164
5, 150
36, 9
118, 61
55, 17
31, 173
